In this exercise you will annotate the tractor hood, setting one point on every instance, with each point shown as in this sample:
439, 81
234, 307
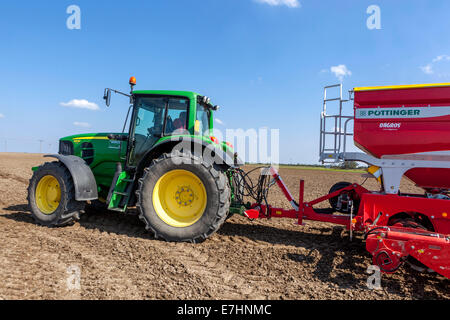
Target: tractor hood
94, 147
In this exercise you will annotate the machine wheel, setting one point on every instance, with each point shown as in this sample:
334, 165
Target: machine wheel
334, 201
411, 223
183, 199
51, 196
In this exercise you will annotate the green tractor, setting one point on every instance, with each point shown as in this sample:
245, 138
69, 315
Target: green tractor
168, 165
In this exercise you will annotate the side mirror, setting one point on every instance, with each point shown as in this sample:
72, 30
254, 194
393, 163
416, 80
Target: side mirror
107, 97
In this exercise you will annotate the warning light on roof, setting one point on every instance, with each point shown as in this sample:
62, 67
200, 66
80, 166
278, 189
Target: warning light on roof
133, 81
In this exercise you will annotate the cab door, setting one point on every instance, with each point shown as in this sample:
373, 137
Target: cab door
155, 117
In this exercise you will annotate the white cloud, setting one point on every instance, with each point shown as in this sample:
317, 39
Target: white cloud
289, 3
82, 124
428, 69
444, 57
218, 121
341, 71
1, 116
81, 104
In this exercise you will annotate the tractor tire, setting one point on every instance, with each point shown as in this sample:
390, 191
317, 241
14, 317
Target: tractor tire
51, 196
333, 201
180, 198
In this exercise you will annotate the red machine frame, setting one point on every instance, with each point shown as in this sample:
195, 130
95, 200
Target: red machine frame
389, 245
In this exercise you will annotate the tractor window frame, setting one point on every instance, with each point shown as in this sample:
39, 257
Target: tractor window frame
136, 97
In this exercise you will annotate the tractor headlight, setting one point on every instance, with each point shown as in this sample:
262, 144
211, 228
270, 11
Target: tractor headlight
65, 148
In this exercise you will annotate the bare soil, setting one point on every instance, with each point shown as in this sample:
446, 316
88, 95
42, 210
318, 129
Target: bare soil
118, 259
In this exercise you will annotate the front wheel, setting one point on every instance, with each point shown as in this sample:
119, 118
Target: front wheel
183, 199
51, 196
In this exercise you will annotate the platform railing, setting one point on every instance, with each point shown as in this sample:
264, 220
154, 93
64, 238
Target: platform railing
338, 134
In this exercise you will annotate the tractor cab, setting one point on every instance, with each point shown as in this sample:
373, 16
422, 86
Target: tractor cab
161, 115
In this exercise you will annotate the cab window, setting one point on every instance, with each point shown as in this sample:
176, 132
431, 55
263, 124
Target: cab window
177, 116
203, 116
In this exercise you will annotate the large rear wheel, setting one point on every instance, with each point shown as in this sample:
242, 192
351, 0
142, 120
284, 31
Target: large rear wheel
51, 196
182, 199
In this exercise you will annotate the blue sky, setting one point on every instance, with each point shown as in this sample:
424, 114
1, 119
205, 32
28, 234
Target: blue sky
263, 61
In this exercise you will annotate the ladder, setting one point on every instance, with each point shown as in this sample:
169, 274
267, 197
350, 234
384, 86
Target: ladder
120, 191
330, 151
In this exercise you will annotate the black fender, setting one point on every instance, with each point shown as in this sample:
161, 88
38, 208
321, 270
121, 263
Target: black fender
83, 178
195, 145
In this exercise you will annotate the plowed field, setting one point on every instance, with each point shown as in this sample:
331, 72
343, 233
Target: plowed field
118, 259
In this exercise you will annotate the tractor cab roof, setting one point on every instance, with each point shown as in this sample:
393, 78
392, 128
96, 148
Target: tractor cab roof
185, 94
188, 94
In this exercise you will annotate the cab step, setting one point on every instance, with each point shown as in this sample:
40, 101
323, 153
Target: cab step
120, 191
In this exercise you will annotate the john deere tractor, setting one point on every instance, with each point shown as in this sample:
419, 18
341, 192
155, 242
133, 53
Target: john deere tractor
168, 165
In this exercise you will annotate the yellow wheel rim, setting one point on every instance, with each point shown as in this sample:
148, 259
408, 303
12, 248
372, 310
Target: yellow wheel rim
48, 194
179, 198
